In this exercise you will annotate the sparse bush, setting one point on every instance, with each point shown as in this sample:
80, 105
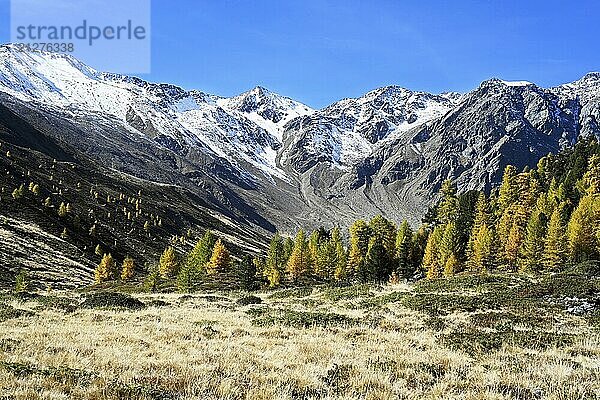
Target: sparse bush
349, 292
479, 342
380, 301
442, 304
304, 319
21, 281
561, 285
65, 304
295, 292
590, 269
8, 344
63, 375
244, 301
8, 312
157, 303
111, 300
17, 194
462, 282
152, 280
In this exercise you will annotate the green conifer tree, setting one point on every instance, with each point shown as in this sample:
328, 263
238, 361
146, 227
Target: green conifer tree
314, 241
22, 281
188, 278
341, 261
245, 273
419, 243
200, 255
326, 260
359, 245
377, 265
385, 232
448, 209
404, 249
276, 261
288, 247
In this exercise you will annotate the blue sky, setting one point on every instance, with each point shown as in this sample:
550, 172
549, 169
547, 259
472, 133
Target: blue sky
318, 51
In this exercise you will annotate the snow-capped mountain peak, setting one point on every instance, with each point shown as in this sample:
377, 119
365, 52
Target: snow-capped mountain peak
269, 105
351, 129
246, 128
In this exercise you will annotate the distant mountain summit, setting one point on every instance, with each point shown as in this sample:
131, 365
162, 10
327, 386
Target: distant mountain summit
387, 151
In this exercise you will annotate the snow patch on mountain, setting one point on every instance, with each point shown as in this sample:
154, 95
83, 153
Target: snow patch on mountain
516, 83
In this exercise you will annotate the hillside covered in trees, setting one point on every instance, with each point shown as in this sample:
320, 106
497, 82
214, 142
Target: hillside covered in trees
540, 219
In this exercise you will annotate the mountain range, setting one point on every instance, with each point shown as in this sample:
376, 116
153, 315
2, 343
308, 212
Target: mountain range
268, 162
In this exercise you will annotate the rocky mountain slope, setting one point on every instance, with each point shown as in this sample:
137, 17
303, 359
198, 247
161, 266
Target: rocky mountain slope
40, 176
268, 162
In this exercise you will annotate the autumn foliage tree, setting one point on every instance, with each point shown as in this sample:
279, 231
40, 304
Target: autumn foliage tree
300, 264
127, 269
432, 263
555, 245
105, 270
220, 261
168, 263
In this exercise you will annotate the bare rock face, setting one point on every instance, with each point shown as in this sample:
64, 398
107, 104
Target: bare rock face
470, 140
271, 162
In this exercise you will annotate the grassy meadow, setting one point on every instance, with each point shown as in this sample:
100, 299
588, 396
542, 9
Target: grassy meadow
469, 337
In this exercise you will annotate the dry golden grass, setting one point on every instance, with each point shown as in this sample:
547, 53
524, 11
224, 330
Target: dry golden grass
197, 349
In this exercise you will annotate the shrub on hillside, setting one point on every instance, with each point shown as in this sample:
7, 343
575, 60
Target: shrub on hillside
111, 300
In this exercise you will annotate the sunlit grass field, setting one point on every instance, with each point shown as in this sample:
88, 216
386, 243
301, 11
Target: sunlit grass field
472, 337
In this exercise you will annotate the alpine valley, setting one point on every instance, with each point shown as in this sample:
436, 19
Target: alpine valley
141, 163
